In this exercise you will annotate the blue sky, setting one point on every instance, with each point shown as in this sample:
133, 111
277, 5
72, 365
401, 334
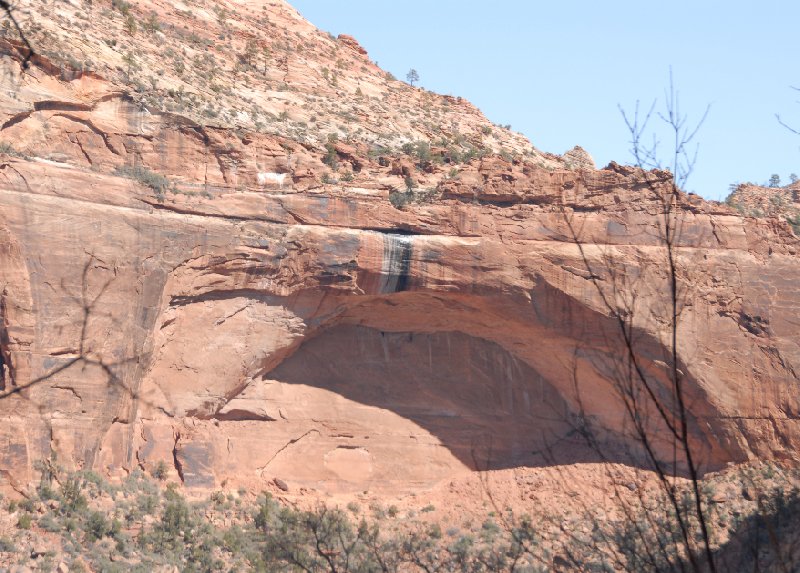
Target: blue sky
557, 71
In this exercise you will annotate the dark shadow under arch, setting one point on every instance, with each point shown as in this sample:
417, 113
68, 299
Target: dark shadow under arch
449, 364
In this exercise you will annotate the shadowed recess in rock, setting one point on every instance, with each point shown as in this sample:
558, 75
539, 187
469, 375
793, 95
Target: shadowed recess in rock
483, 404
2, 370
6, 372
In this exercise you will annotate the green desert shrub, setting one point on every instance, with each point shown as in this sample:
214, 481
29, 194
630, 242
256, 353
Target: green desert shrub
7, 546
155, 181
400, 199
160, 470
25, 521
96, 527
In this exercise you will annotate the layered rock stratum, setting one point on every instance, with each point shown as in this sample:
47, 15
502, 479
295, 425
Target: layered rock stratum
231, 243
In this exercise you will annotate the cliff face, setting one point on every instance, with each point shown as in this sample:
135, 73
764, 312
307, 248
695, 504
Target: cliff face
246, 302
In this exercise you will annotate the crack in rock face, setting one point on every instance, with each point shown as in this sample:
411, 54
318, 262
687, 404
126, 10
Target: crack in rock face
5, 370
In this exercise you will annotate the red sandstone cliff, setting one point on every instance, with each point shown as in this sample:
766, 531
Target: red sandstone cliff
207, 264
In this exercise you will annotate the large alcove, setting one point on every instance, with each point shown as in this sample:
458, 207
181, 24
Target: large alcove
484, 405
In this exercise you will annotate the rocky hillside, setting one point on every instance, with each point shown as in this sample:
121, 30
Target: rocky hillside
759, 201
247, 66
231, 246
